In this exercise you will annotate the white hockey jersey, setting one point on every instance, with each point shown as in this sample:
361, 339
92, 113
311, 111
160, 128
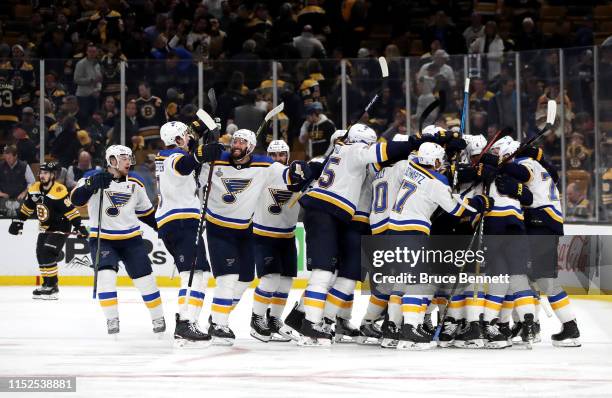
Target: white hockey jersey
177, 194
546, 196
237, 189
385, 185
421, 192
362, 212
122, 204
339, 187
273, 217
505, 206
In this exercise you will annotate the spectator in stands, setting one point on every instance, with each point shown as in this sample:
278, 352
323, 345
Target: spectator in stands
26, 148
480, 97
398, 126
88, 78
111, 69
552, 92
442, 29
232, 97
248, 62
217, 40
65, 146
248, 116
70, 104
146, 170
75, 172
529, 37
474, 31
308, 45
561, 38
285, 25
579, 156
105, 24
315, 16
30, 124
478, 123
150, 112
578, 206
492, 47
198, 35
109, 111
316, 130
54, 90
20, 73
153, 31
15, 177
440, 59
56, 51
502, 107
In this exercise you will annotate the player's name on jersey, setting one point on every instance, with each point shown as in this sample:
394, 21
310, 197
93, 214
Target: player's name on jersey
424, 277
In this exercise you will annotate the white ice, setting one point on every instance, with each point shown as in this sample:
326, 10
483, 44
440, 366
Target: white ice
68, 338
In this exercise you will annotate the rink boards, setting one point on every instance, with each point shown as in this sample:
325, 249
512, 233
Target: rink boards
584, 259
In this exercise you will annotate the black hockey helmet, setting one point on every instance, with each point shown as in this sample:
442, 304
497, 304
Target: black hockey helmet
49, 166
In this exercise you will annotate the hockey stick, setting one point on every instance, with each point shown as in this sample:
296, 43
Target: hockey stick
550, 119
98, 240
212, 126
275, 111
466, 101
384, 71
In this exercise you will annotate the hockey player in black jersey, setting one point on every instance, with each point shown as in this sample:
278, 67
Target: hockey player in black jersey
56, 214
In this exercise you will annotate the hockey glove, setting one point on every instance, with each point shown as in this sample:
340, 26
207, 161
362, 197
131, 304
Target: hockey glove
446, 136
509, 186
489, 159
16, 227
486, 173
81, 231
99, 181
209, 152
466, 173
455, 146
482, 203
534, 153
299, 172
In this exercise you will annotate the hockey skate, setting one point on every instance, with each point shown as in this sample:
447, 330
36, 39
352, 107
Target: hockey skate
427, 325
494, 338
411, 338
345, 332
159, 325
314, 334
448, 332
293, 324
369, 333
528, 331
276, 325
390, 334
470, 337
221, 334
45, 292
568, 336
187, 334
112, 326
259, 328
516, 330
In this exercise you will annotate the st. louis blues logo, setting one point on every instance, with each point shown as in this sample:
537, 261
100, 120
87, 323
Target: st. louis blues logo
280, 197
234, 186
117, 200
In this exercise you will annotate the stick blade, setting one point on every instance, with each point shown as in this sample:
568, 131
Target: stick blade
384, 68
212, 98
551, 112
275, 111
206, 119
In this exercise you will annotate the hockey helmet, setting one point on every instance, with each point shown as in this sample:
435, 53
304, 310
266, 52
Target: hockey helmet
170, 131
475, 144
117, 151
505, 140
278, 146
400, 137
361, 133
429, 152
49, 166
509, 149
248, 136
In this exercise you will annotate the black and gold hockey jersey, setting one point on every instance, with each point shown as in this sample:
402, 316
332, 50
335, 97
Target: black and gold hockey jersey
8, 103
150, 113
23, 79
53, 208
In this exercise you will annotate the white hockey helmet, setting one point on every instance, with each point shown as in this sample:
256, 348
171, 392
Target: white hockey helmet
117, 151
505, 140
431, 130
400, 137
429, 152
508, 149
359, 132
475, 144
170, 131
278, 146
248, 136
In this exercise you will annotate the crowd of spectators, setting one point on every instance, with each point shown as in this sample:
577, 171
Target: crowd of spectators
238, 46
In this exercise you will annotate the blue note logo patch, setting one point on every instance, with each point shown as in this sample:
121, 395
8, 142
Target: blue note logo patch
234, 186
117, 200
280, 197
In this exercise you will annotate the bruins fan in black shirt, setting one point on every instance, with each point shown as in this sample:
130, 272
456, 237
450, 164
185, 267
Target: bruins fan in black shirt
50, 201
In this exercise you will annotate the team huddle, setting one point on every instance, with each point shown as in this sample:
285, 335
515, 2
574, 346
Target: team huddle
435, 183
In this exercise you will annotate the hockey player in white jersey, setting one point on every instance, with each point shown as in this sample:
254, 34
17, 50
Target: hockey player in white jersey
124, 205
330, 204
177, 217
544, 225
422, 190
275, 251
239, 178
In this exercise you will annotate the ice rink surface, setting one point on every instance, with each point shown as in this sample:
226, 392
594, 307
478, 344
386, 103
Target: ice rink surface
68, 338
